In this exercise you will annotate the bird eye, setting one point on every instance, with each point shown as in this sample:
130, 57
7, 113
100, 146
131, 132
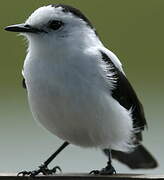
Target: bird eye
55, 24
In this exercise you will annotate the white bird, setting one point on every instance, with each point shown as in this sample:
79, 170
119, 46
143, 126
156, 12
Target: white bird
78, 90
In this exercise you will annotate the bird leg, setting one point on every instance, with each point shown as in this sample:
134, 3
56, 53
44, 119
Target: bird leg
43, 169
108, 170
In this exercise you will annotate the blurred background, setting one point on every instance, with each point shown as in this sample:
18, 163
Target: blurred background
134, 30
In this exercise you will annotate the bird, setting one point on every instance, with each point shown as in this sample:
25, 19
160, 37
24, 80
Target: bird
77, 89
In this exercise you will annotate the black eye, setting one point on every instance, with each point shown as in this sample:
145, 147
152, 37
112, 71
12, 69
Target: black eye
55, 24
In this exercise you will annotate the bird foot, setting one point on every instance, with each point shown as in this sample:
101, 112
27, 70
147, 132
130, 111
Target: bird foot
41, 170
109, 170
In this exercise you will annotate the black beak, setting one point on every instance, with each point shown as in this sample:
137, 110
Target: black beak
23, 28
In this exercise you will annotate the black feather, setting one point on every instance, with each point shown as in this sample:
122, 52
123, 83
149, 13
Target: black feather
24, 83
76, 12
126, 96
123, 92
140, 158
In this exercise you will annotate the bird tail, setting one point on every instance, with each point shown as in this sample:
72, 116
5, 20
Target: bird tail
140, 158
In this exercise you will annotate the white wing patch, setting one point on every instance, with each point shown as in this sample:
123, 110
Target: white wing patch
22, 72
114, 59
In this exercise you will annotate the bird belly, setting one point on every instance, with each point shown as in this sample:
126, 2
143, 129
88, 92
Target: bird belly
77, 110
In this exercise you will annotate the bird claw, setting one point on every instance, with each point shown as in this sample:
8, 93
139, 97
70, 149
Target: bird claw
42, 170
95, 172
24, 173
109, 170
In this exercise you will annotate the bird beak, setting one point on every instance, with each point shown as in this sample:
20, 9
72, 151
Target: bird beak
23, 28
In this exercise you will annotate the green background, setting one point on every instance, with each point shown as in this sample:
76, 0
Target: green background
134, 30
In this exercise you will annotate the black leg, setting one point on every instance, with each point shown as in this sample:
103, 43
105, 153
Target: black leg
47, 162
43, 169
108, 170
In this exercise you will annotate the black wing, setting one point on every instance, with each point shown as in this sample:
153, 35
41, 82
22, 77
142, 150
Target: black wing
140, 158
24, 83
126, 96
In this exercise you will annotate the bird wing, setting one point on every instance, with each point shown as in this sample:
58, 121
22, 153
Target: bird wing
125, 95
23, 81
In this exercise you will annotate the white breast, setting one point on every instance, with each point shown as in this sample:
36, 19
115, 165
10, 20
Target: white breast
69, 96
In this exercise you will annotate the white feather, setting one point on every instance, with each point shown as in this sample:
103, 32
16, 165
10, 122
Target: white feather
68, 91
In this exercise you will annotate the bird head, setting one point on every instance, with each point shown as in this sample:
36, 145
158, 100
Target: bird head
56, 25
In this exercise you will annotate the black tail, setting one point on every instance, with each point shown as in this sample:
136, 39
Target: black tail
140, 158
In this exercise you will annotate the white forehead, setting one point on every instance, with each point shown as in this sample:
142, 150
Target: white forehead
46, 13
